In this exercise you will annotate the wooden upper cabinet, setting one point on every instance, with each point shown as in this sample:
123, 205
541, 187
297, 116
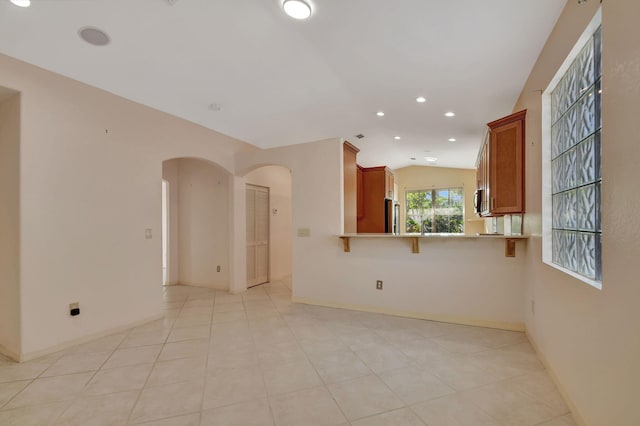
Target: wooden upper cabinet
501, 167
360, 190
377, 188
350, 169
388, 187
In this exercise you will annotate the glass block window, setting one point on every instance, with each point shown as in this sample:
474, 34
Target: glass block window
575, 164
432, 211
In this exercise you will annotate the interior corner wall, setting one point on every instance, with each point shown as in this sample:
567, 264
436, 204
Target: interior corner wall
10, 323
203, 215
278, 180
170, 174
90, 184
428, 177
591, 338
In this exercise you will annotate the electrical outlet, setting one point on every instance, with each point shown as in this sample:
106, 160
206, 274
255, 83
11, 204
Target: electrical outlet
533, 307
379, 285
74, 309
218, 268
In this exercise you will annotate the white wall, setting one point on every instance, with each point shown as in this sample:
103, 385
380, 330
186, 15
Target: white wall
489, 289
203, 240
91, 170
278, 180
591, 338
9, 224
427, 177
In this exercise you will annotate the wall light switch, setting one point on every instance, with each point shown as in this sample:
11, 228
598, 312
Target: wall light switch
147, 234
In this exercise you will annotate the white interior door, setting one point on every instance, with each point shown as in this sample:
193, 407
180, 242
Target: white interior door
257, 235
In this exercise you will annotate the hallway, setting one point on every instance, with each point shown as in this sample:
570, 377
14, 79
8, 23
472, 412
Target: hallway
258, 359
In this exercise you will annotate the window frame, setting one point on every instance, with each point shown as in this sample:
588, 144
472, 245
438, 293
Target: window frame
547, 204
433, 191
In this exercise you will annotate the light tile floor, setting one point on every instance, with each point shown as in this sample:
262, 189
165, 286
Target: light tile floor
257, 359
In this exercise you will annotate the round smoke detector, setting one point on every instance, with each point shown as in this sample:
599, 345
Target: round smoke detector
94, 36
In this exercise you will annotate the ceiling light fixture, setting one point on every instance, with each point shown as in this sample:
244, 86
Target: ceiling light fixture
431, 159
22, 3
94, 36
449, 114
397, 138
452, 139
421, 99
297, 9
380, 114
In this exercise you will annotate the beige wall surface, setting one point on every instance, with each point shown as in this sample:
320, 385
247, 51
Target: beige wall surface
90, 169
10, 224
278, 180
203, 239
590, 337
426, 177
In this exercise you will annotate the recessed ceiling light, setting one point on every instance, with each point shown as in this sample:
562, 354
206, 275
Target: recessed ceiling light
421, 99
297, 9
397, 138
449, 114
94, 36
380, 114
431, 159
22, 3
451, 139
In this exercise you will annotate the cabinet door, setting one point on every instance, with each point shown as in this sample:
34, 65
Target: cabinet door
374, 182
350, 188
389, 181
360, 193
506, 169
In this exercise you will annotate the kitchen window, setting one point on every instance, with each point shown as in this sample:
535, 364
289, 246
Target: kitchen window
435, 211
572, 165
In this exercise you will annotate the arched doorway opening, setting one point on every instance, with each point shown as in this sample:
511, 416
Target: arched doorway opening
196, 224
269, 186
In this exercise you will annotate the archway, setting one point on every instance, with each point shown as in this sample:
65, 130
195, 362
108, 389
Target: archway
197, 223
277, 179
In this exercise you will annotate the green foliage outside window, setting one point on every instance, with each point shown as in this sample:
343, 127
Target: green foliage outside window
435, 211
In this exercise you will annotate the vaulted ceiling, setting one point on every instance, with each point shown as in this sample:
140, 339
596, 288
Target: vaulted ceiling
244, 68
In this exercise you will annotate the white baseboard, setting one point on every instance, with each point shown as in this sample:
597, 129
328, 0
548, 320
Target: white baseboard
220, 287
85, 339
554, 378
502, 325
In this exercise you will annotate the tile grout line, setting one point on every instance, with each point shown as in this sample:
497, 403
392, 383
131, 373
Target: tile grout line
206, 363
135, 404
